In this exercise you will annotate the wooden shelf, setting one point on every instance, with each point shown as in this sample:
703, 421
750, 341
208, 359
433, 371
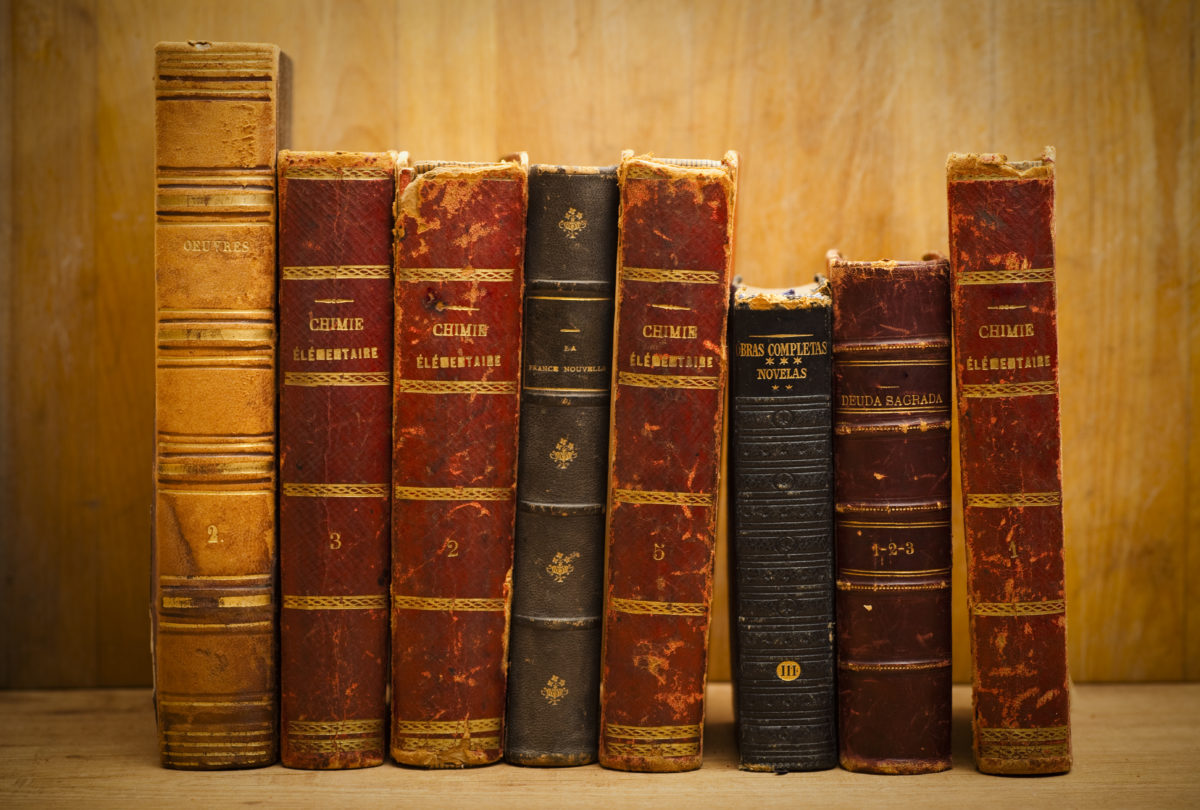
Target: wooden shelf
1134, 745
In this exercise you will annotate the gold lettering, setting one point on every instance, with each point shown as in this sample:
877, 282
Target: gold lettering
797, 348
460, 330
316, 324
212, 535
335, 540
671, 331
750, 350
1006, 330
215, 246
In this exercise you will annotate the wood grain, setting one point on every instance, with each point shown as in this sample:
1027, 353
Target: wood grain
1135, 745
843, 114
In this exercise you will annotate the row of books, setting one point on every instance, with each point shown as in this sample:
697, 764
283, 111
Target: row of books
500, 394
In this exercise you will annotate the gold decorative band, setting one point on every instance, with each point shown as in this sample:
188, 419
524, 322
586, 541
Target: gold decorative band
265, 731
917, 667
875, 363
324, 728
348, 271
175, 314
436, 744
264, 579
916, 524
476, 726
1033, 276
257, 199
1015, 736
181, 445
202, 466
404, 493
655, 275
448, 603
317, 379
330, 173
927, 572
660, 498
668, 381
306, 746
456, 387
217, 704
257, 600
1023, 752
370, 601
336, 490
932, 506
652, 749
217, 625
1013, 500
1050, 607
652, 732
916, 410
454, 274
843, 585
644, 607
216, 334
1004, 390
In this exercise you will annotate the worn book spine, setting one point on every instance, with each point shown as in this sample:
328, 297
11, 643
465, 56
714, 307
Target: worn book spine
213, 568
335, 439
1006, 359
669, 373
554, 666
891, 382
460, 236
781, 529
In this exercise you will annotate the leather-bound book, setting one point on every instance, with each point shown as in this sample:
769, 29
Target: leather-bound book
669, 372
213, 568
1006, 363
891, 384
335, 439
554, 666
781, 528
460, 236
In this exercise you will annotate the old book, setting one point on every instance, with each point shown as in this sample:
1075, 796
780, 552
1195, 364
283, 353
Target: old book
335, 429
673, 272
214, 638
1006, 363
891, 383
554, 661
460, 236
781, 528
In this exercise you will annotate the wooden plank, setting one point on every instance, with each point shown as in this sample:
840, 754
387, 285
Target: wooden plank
1191, 200
1134, 746
8, 274
54, 512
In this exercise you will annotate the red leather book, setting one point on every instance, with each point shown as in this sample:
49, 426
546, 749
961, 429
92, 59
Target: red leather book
335, 466
460, 236
891, 395
668, 395
1006, 359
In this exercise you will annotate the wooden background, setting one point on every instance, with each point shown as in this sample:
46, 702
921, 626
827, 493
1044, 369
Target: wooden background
843, 113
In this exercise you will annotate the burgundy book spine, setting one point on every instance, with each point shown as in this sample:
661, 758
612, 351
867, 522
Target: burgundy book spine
1006, 357
335, 418
891, 379
669, 373
460, 237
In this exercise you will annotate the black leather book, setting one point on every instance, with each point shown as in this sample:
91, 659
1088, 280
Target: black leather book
554, 658
781, 528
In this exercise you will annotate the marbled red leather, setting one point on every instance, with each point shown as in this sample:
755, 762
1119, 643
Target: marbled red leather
460, 236
1006, 357
891, 380
335, 419
670, 367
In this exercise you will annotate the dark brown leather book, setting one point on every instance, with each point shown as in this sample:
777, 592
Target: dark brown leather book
1006, 360
460, 236
216, 692
335, 438
781, 528
670, 365
554, 659
891, 383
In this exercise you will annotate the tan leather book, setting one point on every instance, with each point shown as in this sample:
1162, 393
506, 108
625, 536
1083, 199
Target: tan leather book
214, 636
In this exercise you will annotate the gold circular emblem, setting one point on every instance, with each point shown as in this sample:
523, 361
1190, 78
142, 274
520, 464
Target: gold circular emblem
788, 670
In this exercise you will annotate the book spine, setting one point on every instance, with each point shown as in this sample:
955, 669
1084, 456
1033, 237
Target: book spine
335, 418
554, 667
460, 234
214, 637
891, 372
1006, 359
781, 531
669, 374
